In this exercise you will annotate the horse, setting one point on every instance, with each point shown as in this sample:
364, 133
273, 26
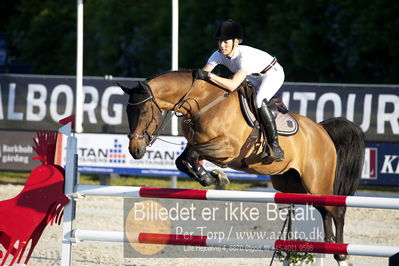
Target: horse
321, 158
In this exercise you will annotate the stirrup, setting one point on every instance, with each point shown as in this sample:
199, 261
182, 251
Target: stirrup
276, 154
264, 154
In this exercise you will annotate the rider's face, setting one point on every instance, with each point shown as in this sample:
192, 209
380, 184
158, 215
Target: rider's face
227, 47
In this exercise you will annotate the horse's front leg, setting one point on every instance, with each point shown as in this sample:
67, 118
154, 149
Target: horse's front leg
188, 163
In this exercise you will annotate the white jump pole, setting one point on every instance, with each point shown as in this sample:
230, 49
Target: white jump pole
79, 70
69, 209
175, 66
175, 34
71, 153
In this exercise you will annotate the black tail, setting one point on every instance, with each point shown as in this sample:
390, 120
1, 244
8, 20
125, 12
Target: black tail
348, 139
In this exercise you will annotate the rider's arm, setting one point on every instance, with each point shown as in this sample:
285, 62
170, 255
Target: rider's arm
230, 84
208, 68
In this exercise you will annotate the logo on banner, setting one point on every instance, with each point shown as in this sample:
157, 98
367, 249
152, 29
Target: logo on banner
182, 147
370, 164
101, 151
391, 164
115, 153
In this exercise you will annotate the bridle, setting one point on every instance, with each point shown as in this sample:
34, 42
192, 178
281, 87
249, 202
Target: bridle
150, 138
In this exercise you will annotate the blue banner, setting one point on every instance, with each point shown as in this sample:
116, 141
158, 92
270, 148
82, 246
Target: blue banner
381, 165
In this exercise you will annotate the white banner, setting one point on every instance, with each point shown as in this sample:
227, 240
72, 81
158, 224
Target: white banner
109, 153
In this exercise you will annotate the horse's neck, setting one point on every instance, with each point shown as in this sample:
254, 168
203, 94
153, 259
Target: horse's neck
172, 87
178, 91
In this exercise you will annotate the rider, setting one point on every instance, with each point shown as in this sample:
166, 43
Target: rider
246, 62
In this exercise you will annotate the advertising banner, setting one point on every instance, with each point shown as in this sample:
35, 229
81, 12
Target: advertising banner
381, 165
109, 153
30, 102
375, 108
16, 150
37, 102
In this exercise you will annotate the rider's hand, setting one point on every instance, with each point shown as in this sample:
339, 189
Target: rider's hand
201, 74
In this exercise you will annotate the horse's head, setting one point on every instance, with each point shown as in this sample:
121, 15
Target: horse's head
144, 116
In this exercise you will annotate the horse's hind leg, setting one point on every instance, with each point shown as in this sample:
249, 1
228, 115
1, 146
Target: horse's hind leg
338, 215
327, 224
188, 163
339, 219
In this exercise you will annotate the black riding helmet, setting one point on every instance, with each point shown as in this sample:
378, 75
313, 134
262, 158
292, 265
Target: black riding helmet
228, 30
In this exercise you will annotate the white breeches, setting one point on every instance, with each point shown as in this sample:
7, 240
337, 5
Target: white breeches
267, 84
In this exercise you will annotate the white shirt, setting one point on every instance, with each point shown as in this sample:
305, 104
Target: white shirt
246, 58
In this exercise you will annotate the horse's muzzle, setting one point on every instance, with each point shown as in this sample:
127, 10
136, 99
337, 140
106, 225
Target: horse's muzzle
138, 144
137, 151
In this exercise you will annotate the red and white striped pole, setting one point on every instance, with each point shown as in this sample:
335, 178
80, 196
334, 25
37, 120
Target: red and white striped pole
246, 244
243, 196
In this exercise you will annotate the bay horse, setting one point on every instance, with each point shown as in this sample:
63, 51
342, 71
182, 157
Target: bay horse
321, 158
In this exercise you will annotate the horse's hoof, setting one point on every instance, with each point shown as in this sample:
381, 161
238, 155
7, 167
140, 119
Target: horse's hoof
345, 263
342, 260
220, 176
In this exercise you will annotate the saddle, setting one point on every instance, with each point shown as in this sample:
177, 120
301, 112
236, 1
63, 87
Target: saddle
286, 124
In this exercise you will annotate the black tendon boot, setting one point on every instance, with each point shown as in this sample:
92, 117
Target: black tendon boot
268, 121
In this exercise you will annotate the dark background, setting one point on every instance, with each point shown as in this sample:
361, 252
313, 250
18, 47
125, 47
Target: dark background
353, 41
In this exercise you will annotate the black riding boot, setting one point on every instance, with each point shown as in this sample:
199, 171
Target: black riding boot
268, 121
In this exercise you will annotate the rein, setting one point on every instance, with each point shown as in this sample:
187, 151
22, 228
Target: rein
213, 103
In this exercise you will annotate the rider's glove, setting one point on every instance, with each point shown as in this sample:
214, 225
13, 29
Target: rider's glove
201, 74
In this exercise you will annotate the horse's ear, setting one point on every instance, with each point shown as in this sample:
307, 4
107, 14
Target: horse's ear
128, 91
